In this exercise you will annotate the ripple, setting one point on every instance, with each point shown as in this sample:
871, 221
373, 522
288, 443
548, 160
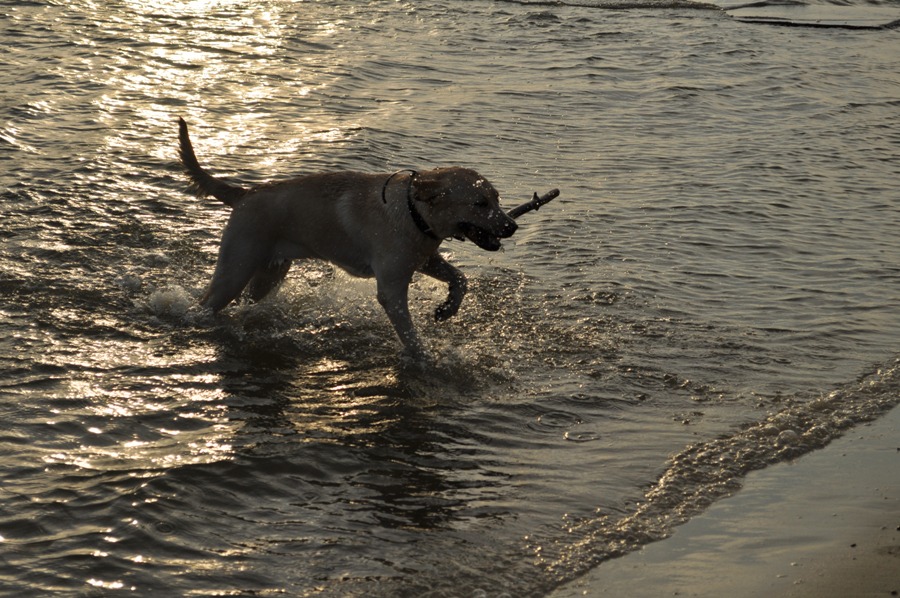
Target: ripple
582, 436
553, 421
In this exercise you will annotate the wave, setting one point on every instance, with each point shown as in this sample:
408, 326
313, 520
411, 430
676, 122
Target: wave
861, 14
708, 471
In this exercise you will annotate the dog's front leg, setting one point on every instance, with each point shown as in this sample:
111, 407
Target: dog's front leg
393, 295
439, 268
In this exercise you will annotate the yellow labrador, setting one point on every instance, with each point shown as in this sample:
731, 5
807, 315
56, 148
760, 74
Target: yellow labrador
384, 225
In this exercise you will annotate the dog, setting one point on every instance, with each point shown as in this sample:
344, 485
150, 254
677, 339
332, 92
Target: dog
386, 226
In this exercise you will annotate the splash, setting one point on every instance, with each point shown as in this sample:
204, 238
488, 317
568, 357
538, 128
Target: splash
171, 301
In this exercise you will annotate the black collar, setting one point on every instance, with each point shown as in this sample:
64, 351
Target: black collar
416, 215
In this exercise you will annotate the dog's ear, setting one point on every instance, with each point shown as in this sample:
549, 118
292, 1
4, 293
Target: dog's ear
428, 186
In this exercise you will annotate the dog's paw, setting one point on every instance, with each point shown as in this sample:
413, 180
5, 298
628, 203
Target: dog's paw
445, 311
417, 360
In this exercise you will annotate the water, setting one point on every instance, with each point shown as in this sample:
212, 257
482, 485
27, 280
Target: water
716, 289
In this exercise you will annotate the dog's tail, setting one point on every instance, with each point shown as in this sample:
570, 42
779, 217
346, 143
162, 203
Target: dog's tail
202, 182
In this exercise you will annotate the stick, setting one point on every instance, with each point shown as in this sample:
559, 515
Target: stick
535, 203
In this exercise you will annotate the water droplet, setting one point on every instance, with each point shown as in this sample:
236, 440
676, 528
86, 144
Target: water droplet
585, 436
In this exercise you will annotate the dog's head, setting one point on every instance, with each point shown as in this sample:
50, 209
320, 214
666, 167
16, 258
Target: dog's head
461, 202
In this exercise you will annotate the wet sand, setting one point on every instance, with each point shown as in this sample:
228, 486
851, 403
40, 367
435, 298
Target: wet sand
826, 525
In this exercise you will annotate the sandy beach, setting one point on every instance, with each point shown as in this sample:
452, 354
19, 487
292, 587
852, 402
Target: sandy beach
826, 525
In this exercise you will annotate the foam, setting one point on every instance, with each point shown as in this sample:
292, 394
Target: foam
851, 17
172, 301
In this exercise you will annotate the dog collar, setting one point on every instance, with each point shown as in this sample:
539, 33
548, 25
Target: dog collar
410, 203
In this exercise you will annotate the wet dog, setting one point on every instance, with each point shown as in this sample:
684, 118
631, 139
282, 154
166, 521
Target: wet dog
386, 226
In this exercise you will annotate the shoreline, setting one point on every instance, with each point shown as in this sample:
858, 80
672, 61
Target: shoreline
825, 525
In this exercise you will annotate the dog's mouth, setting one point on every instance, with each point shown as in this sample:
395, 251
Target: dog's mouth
481, 237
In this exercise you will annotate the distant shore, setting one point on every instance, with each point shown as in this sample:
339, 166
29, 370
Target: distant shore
826, 525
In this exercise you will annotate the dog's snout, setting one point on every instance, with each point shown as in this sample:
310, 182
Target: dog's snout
503, 225
509, 227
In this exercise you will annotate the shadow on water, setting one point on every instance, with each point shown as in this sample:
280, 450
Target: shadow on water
349, 451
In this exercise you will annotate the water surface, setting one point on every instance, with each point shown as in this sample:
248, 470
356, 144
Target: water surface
715, 290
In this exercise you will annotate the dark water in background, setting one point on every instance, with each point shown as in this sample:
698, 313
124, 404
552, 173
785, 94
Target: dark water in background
716, 289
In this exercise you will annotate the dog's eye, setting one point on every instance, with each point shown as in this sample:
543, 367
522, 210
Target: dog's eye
482, 203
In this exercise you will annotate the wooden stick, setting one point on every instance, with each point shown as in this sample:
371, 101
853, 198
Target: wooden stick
535, 203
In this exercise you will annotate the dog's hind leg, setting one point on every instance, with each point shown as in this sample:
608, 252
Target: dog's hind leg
235, 267
225, 287
439, 268
267, 279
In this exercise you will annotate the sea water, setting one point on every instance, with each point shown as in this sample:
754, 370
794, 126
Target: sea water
716, 289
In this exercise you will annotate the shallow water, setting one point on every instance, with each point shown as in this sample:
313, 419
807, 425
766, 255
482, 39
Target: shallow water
716, 289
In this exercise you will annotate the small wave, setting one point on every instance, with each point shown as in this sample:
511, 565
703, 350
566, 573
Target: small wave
815, 15
617, 5
835, 14
707, 471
